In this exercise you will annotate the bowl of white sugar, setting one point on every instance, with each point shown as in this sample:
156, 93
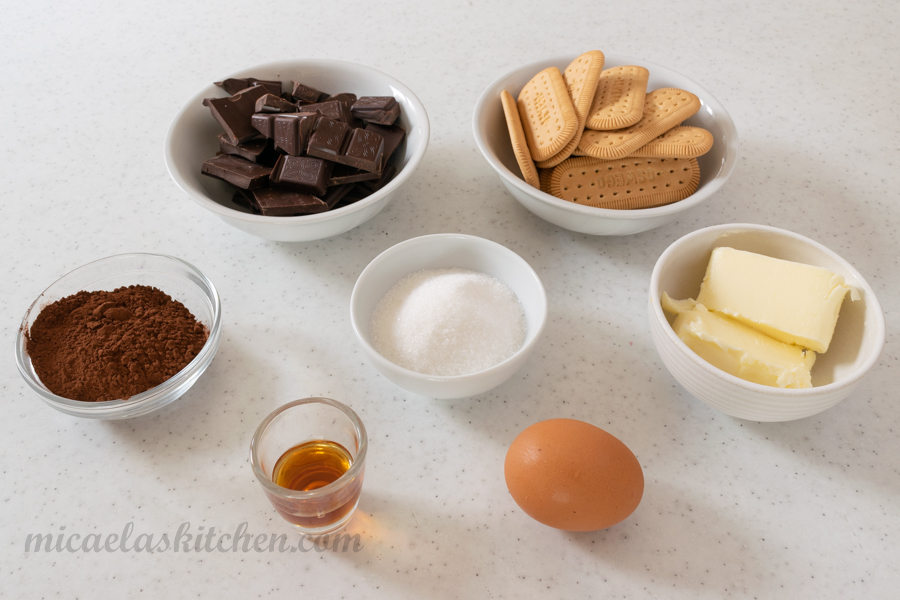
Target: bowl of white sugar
448, 315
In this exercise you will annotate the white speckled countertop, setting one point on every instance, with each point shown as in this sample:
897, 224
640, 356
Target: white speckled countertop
806, 509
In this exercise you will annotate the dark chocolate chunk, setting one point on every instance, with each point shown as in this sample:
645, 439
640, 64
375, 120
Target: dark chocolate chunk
393, 136
237, 171
342, 174
345, 97
284, 203
386, 176
245, 199
335, 194
273, 86
257, 150
327, 141
301, 174
306, 94
270, 103
234, 85
264, 123
364, 151
358, 192
234, 113
347, 200
373, 103
335, 141
291, 131
383, 110
334, 109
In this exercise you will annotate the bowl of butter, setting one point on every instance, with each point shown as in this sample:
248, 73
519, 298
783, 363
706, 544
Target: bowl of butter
762, 323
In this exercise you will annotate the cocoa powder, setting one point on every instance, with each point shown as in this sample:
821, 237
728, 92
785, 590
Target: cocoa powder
98, 346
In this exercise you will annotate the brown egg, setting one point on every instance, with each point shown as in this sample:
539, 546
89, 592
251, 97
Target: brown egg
571, 475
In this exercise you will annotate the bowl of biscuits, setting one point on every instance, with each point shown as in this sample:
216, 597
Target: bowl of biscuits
297, 150
605, 144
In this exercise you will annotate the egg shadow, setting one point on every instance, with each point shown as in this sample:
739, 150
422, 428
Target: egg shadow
678, 538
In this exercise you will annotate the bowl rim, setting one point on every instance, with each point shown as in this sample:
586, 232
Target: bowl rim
85, 408
706, 98
376, 356
872, 304
230, 213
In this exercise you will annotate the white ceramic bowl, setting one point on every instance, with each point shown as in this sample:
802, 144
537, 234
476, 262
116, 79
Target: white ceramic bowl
492, 138
177, 278
192, 139
443, 251
854, 350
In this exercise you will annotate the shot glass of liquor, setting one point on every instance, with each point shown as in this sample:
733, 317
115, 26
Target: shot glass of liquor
310, 456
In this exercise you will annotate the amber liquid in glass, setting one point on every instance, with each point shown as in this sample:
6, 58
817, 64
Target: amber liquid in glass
312, 465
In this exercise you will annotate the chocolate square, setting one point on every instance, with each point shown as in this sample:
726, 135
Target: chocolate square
342, 174
264, 123
234, 113
270, 103
257, 150
364, 151
333, 109
284, 203
383, 110
393, 136
291, 132
328, 140
306, 94
301, 174
237, 171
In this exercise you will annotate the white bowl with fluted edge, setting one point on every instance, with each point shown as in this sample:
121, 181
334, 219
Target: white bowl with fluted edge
853, 352
192, 139
492, 138
446, 250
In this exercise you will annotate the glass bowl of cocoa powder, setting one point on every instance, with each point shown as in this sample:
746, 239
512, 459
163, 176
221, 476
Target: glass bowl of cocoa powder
120, 337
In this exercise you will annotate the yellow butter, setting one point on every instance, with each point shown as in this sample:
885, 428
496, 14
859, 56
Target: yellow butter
791, 302
738, 349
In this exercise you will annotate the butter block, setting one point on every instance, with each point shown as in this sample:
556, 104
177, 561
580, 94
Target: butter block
791, 302
739, 349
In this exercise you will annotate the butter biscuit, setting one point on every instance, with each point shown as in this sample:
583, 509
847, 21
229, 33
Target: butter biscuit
581, 77
517, 137
663, 109
625, 184
619, 99
548, 115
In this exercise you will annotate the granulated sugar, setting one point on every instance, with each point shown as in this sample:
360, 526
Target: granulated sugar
448, 322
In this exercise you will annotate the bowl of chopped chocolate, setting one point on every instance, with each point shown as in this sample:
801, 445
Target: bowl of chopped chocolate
297, 150
120, 337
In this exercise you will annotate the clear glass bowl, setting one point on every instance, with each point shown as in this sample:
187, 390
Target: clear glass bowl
177, 278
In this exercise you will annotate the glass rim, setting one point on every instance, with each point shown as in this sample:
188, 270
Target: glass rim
120, 407
355, 468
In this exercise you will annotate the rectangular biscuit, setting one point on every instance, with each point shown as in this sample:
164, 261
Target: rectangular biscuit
663, 109
548, 115
544, 176
518, 140
581, 77
625, 184
678, 142
619, 100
